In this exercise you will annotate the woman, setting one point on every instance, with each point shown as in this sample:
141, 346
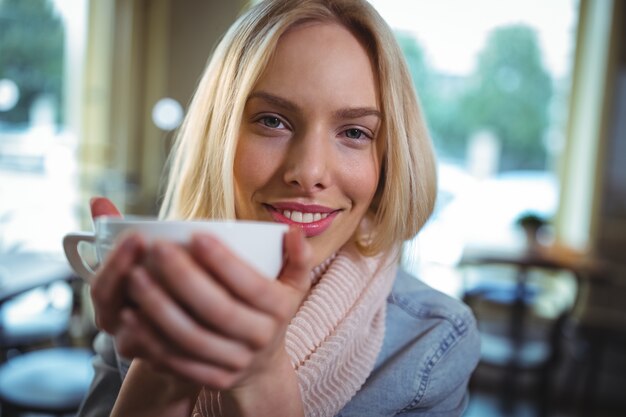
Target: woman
305, 115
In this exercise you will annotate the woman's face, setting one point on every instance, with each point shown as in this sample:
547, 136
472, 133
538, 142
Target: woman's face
306, 154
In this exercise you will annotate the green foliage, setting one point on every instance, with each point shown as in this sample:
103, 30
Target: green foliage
439, 103
509, 94
31, 53
416, 61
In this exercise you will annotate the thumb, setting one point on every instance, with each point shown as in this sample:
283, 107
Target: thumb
299, 261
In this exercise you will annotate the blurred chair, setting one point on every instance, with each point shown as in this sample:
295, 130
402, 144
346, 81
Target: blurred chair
595, 330
41, 372
505, 292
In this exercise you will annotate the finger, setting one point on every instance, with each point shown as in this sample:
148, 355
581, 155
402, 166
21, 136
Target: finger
134, 339
240, 278
208, 375
181, 330
101, 206
137, 339
107, 289
207, 300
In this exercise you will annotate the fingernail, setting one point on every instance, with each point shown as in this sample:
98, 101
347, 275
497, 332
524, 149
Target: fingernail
128, 317
93, 201
161, 248
129, 242
139, 283
137, 277
204, 241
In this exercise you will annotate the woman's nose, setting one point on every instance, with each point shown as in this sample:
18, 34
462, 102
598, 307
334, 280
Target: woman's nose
308, 162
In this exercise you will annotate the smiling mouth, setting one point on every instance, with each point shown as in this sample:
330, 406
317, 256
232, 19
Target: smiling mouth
312, 222
303, 217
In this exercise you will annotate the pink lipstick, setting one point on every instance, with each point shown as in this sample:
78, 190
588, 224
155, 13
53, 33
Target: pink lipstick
311, 219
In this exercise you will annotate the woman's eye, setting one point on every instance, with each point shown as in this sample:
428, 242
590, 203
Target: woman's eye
354, 133
271, 121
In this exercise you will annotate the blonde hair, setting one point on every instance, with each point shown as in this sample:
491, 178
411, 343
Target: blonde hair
201, 183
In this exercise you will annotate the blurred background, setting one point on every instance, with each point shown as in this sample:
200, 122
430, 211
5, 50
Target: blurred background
526, 105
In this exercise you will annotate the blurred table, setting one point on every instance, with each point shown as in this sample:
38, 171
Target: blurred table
22, 271
518, 296
26, 321
51, 380
581, 265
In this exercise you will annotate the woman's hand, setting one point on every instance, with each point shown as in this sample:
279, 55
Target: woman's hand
108, 290
203, 314
198, 315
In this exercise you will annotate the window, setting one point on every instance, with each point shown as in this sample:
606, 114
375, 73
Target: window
41, 46
494, 81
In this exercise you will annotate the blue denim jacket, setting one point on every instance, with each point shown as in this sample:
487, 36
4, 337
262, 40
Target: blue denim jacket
430, 349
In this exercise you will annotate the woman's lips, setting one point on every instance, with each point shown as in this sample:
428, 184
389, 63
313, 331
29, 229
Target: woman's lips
311, 219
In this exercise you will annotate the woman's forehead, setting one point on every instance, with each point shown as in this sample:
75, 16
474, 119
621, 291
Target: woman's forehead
321, 57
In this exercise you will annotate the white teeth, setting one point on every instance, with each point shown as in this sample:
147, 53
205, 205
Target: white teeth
299, 217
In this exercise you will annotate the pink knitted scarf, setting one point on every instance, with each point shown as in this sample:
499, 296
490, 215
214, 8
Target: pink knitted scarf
337, 333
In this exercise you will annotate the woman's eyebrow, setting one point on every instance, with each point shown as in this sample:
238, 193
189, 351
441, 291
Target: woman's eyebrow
347, 113
357, 112
275, 100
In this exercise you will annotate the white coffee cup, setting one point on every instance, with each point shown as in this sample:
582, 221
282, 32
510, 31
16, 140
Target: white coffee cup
258, 243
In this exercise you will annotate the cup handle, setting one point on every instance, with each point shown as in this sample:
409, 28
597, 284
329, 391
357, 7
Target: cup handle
70, 246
